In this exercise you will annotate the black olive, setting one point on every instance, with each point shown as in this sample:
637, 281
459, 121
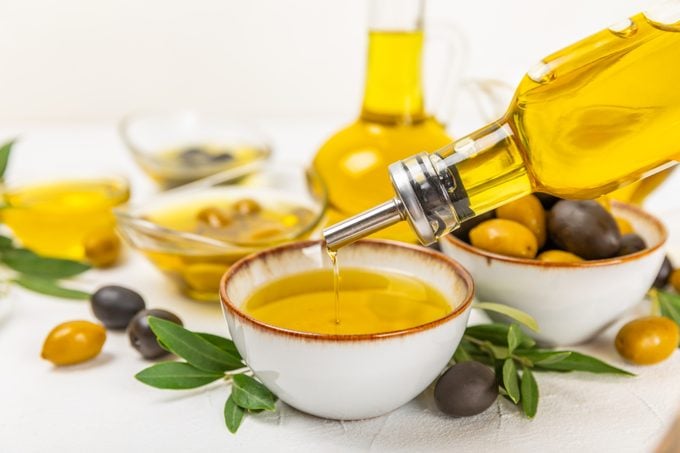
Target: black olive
222, 157
115, 306
584, 228
463, 231
142, 337
631, 243
548, 201
195, 156
664, 274
465, 389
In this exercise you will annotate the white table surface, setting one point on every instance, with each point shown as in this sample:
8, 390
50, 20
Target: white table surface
98, 406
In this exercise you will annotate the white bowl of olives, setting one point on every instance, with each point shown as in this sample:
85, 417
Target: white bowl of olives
575, 266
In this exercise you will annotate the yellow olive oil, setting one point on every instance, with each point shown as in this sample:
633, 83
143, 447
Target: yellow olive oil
58, 219
370, 302
242, 224
393, 124
587, 120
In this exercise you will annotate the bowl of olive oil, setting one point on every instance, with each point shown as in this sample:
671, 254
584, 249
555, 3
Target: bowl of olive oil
351, 338
195, 232
179, 147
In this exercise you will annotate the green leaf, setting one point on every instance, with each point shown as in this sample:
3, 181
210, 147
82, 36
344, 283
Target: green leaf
575, 361
514, 337
233, 414
669, 306
497, 333
461, 355
193, 348
6, 243
49, 287
251, 394
224, 344
176, 376
28, 262
529, 393
4, 156
554, 357
510, 381
517, 315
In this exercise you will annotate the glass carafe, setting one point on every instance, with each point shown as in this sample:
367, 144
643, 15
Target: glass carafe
394, 120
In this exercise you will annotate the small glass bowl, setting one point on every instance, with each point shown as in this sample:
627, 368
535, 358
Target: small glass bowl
196, 262
176, 148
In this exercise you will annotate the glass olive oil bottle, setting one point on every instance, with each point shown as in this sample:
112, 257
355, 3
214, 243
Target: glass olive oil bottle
393, 120
587, 120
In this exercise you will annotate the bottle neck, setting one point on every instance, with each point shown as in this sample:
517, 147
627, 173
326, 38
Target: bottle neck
393, 88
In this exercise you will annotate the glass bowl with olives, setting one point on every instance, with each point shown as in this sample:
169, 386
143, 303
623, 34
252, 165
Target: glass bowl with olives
195, 232
575, 266
178, 147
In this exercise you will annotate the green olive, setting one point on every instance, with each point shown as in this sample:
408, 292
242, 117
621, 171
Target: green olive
648, 340
529, 212
463, 231
73, 342
504, 237
102, 247
558, 256
584, 228
247, 206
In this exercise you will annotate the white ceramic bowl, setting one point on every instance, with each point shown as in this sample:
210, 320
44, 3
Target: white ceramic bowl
572, 302
347, 377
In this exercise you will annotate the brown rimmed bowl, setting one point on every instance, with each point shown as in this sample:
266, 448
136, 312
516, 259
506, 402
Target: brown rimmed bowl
347, 377
572, 302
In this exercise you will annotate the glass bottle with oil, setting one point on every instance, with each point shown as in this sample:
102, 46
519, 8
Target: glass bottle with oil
592, 118
393, 120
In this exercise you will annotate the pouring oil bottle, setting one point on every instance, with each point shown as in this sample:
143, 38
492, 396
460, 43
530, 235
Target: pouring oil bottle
589, 119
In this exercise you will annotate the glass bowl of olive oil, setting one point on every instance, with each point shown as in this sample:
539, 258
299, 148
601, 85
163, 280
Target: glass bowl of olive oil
175, 148
194, 233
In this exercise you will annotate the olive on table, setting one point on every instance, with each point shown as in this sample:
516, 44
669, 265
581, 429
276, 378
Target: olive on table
142, 337
463, 231
73, 342
115, 306
558, 256
529, 212
631, 243
504, 237
102, 247
465, 389
647, 340
664, 274
584, 228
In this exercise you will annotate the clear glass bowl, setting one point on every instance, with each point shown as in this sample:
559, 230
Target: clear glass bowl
178, 147
197, 261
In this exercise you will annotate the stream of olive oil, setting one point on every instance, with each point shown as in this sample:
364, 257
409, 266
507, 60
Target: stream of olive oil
372, 302
333, 255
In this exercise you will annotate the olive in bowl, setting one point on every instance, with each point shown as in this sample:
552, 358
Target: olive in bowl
571, 300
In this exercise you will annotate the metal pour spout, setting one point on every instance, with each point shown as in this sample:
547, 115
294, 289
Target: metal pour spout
364, 224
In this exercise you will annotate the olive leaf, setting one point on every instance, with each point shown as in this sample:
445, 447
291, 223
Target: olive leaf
193, 348
176, 376
251, 394
514, 337
49, 287
6, 243
30, 263
223, 343
669, 305
553, 357
529, 391
233, 415
510, 381
575, 361
497, 333
510, 312
5, 151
